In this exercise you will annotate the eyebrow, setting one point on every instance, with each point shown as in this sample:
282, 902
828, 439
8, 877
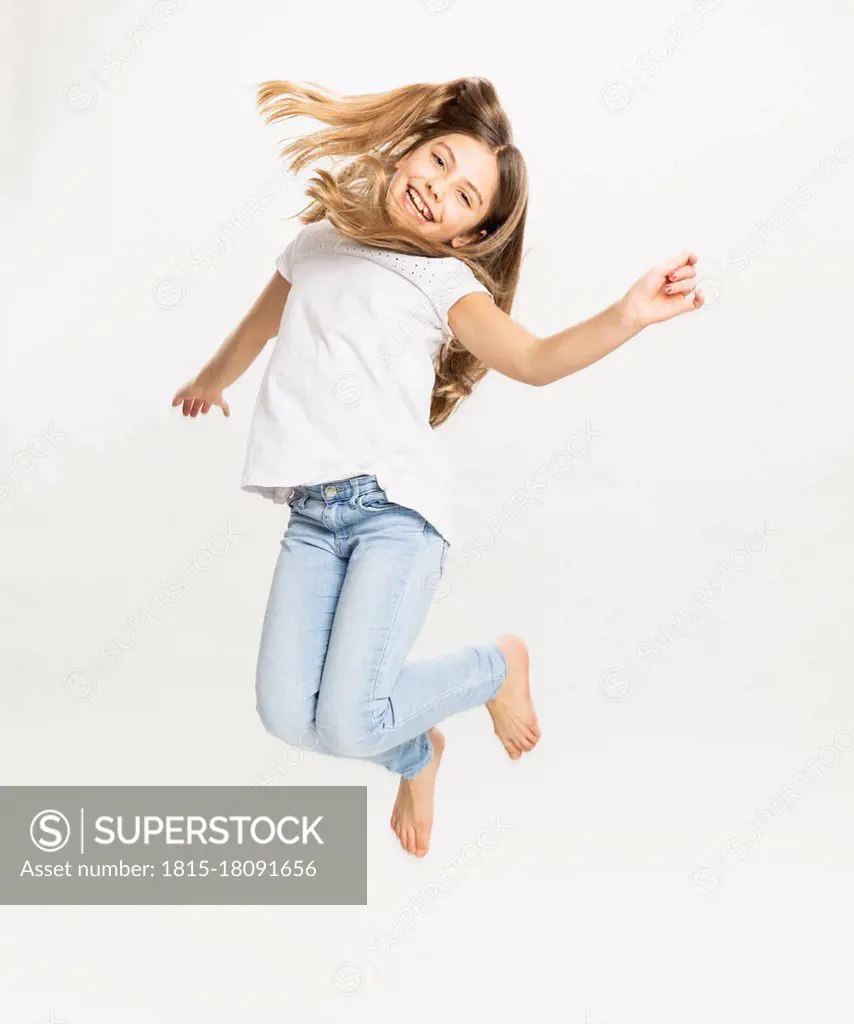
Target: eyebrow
454, 162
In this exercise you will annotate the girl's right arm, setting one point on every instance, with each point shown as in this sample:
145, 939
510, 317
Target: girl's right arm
237, 352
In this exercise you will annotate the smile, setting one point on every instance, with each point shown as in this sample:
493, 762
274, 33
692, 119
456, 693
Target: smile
417, 205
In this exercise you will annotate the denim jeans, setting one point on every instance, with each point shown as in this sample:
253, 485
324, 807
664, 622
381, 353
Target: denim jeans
351, 589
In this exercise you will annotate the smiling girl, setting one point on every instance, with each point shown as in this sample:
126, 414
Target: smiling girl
389, 305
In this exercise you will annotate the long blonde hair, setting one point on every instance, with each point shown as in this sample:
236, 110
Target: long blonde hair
372, 131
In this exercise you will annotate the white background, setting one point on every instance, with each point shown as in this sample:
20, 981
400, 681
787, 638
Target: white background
633, 886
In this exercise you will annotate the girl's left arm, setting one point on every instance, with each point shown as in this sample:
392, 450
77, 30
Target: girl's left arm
497, 340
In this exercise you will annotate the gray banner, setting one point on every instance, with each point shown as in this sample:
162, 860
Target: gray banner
102, 845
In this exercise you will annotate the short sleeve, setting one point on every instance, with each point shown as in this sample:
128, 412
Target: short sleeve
450, 283
285, 259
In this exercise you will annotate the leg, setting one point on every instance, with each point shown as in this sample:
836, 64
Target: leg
412, 814
372, 699
298, 620
369, 692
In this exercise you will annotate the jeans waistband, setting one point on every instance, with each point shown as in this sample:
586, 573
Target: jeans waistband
341, 490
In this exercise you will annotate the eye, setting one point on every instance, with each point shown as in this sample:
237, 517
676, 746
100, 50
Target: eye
468, 201
441, 161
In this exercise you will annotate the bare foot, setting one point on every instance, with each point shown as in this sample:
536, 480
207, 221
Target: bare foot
512, 709
412, 816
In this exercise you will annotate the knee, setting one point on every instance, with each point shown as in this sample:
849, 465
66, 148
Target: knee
286, 727
292, 722
347, 735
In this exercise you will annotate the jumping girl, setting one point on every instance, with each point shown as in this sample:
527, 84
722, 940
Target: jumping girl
389, 305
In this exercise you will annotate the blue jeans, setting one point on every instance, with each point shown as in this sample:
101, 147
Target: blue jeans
351, 589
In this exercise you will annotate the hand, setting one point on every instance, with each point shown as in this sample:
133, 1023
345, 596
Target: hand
200, 394
663, 292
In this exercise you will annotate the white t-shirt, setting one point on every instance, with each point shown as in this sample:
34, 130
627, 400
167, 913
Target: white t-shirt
347, 388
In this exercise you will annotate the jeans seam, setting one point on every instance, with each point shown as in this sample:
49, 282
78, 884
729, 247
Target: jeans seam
429, 704
389, 633
459, 689
410, 773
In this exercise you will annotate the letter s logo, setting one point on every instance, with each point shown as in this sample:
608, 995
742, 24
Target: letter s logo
50, 831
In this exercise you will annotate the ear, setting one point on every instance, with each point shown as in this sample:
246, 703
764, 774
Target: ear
461, 240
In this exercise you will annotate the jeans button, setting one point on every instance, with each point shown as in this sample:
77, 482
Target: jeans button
330, 492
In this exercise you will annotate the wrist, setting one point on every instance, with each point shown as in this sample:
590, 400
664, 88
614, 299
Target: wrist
209, 378
626, 317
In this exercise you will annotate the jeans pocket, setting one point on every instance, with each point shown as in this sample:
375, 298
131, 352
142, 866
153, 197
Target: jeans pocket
376, 501
296, 499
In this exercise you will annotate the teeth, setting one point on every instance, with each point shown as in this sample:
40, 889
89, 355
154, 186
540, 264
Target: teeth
416, 202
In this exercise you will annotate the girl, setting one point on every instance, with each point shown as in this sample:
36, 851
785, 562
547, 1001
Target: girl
390, 304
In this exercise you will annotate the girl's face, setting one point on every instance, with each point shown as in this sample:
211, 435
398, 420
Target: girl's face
454, 178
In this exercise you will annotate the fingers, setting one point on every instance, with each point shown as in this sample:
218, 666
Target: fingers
688, 302
193, 406
681, 287
684, 304
684, 258
689, 270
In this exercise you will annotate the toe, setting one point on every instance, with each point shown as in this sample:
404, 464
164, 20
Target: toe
530, 740
422, 840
